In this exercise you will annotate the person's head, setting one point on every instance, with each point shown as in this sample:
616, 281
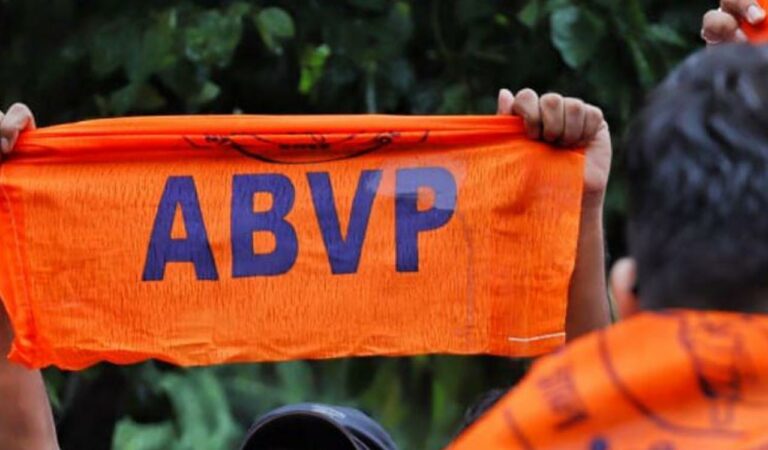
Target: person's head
310, 426
480, 407
697, 164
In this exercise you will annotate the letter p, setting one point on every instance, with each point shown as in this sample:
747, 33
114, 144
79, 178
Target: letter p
409, 221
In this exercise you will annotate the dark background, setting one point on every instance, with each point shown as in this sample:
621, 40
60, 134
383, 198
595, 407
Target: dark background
71, 60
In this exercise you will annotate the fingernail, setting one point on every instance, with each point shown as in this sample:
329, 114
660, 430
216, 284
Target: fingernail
755, 14
741, 36
4, 145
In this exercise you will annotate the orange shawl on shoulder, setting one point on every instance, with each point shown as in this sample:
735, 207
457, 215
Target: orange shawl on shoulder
677, 380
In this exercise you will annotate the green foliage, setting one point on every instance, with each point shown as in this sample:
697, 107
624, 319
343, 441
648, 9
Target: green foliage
202, 417
71, 60
275, 25
576, 32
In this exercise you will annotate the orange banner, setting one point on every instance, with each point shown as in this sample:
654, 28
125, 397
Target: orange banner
677, 380
203, 240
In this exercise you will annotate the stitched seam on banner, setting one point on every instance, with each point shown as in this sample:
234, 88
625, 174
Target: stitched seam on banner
543, 337
19, 259
470, 306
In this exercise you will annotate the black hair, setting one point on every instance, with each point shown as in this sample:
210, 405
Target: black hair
484, 403
697, 162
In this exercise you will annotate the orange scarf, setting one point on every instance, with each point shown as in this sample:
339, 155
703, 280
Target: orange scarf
677, 380
202, 240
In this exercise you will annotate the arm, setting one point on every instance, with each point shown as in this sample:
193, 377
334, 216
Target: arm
570, 122
588, 303
721, 26
26, 421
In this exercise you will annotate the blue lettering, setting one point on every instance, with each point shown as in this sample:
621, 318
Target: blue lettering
245, 263
409, 221
344, 254
599, 443
195, 248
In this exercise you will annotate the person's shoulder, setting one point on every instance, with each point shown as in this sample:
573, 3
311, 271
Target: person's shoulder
582, 353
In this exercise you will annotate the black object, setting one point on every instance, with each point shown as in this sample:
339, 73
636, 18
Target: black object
309, 426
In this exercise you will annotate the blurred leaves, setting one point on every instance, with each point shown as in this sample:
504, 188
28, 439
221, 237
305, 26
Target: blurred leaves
71, 60
312, 65
130, 435
202, 418
275, 25
576, 33
211, 36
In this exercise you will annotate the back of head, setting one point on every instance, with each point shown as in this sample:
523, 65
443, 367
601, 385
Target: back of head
697, 161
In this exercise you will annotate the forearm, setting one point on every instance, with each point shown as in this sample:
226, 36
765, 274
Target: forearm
588, 307
26, 421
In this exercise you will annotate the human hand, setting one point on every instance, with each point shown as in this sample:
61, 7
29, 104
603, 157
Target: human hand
721, 26
567, 122
18, 118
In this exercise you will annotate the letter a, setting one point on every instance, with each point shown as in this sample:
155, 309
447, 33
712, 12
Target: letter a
195, 248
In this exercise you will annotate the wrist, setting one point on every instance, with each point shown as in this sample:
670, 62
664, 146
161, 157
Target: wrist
593, 202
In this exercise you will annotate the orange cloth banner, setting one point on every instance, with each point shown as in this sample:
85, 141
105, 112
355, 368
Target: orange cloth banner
203, 240
677, 380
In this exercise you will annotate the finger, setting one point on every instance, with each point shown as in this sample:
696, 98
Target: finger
593, 121
506, 102
3, 141
17, 119
747, 10
21, 116
575, 112
552, 117
527, 106
719, 26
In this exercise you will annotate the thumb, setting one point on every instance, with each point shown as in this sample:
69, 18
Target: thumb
5, 145
18, 118
601, 142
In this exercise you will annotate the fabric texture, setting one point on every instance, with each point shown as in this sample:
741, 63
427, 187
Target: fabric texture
211, 239
677, 380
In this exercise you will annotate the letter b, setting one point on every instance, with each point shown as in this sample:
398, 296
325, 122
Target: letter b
245, 263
